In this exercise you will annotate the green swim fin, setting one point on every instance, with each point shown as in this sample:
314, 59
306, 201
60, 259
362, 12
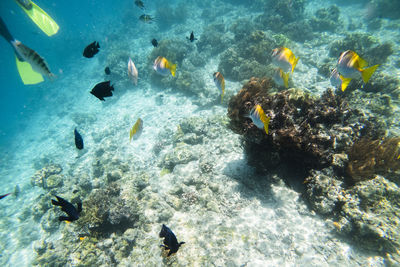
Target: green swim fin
27, 74
41, 18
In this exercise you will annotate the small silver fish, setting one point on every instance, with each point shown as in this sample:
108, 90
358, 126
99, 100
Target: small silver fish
132, 71
34, 59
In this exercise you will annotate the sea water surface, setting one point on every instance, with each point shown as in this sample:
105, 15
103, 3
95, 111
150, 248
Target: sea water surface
187, 169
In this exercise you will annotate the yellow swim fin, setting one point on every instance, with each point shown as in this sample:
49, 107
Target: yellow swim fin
41, 19
27, 74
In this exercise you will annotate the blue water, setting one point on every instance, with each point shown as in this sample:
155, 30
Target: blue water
228, 216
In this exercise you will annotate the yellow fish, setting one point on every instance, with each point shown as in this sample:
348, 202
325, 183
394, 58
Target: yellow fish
259, 118
350, 66
284, 58
164, 67
281, 78
136, 130
220, 83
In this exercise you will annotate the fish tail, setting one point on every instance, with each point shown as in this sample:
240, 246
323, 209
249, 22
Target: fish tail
296, 59
172, 68
285, 77
345, 82
265, 120
367, 73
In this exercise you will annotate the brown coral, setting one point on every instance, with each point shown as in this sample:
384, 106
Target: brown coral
368, 158
300, 127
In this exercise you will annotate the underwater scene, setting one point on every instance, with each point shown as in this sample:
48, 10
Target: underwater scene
200, 133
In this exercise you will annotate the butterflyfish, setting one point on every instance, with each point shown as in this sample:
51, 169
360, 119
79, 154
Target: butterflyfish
136, 130
259, 118
284, 58
164, 67
220, 83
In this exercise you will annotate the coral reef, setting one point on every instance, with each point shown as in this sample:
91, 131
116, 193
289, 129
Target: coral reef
367, 158
105, 212
249, 57
48, 177
365, 45
167, 15
368, 212
213, 40
303, 129
326, 19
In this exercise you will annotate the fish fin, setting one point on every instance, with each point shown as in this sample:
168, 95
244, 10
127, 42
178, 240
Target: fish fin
345, 82
41, 19
55, 203
296, 59
367, 73
172, 68
64, 218
266, 124
285, 77
27, 74
362, 63
79, 207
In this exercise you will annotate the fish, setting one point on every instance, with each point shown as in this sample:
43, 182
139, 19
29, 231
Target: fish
284, 58
139, 4
34, 59
102, 90
170, 241
107, 70
191, 38
281, 78
163, 66
3, 196
91, 50
146, 18
72, 212
259, 118
154, 42
78, 139
136, 130
350, 66
27, 4
338, 81
220, 83
132, 71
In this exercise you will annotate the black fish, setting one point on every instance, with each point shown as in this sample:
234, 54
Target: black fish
154, 42
170, 241
107, 70
3, 196
73, 213
78, 140
91, 49
102, 90
139, 4
191, 38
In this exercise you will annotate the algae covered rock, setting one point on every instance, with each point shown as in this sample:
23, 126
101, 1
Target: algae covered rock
366, 46
326, 19
41, 176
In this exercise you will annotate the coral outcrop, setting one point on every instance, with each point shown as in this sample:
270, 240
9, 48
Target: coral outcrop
367, 158
303, 128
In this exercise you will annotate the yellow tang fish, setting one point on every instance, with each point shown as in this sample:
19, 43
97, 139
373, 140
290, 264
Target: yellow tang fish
350, 66
132, 71
220, 83
259, 118
281, 78
163, 66
284, 58
136, 130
